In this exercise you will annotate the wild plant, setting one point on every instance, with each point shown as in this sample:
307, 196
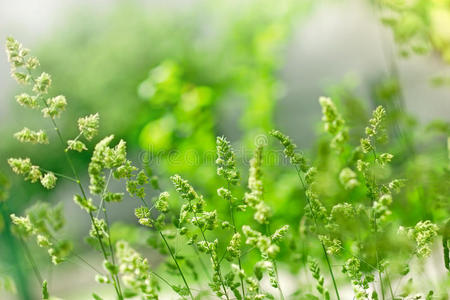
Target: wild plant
221, 238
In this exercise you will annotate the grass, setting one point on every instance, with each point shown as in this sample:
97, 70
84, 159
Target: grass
222, 239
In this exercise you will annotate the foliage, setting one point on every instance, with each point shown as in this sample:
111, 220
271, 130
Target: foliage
418, 26
213, 234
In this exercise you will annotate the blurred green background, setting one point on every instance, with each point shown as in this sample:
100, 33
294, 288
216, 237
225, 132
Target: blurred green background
170, 76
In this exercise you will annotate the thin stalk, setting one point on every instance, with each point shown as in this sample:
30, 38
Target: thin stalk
97, 233
323, 246
376, 255
219, 273
275, 266
55, 240
212, 258
376, 233
176, 263
75, 174
390, 286
162, 279
278, 280
60, 175
111, 248
235, 231
205, 269
32, 261
20, 275
173, 256
86, 262
77, 178
103, 193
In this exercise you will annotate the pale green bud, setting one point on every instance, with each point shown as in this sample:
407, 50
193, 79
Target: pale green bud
280, 233
21, 78
262, 213
162, 204
23, 224
362, 166
20, 166
113, 197
348, 178
29, 136
27, 101
396, 184
43, 241
84, 203
42, 83
101, 278
296, 159
183, 187
385, 158
89, 125
366, 145
32, 63
15, 51
142, 212
49, 180
234, 248
34, 175
98, 229
226, 164
55, 106
330, 116
76, 145
423, 234
332, 246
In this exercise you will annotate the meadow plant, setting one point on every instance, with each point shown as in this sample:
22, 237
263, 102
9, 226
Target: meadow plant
224, 239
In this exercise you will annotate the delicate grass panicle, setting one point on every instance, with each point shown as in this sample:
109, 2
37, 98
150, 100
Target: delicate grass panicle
196, 228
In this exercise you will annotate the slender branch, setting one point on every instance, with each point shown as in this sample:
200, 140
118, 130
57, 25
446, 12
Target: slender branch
176, 263
78, 182
275, 266
235, 231
60, 175
205, 269
103, 193
172, 255
111, 248
31, 260
212, 257
376, 230
316, 223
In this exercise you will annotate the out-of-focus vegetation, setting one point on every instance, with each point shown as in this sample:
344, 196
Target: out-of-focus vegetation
169, 86
419, 26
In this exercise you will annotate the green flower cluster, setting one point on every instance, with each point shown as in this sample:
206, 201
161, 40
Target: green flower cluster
42, 222
226, 163
254, 198
295, 158
29, 136
423, 233
360, 283
23, 166
375, 130
135, 272
88, 127
348, 178
106, 157
333, 123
